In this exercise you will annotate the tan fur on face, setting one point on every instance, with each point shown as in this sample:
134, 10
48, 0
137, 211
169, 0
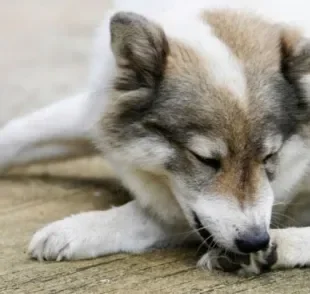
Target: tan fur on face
240, 179
252, 40
182, 61
240, 176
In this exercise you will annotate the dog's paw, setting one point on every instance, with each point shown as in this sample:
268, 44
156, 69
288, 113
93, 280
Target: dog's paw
260, 261
252, 264
61, 240
219, 259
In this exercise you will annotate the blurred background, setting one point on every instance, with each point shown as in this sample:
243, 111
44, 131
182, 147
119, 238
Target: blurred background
44, 51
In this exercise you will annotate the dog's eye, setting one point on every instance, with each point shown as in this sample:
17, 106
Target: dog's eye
269, 157
211, 162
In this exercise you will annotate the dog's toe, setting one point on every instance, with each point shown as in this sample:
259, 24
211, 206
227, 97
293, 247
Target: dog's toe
51, 243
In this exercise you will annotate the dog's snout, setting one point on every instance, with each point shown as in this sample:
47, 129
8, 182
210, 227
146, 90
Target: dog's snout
253, 241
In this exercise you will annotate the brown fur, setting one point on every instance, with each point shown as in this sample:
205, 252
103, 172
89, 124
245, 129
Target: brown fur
252, 40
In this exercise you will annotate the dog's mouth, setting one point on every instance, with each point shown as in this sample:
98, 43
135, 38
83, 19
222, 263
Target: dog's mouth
204, 233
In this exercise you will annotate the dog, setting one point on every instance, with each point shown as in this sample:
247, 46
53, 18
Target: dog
203, 110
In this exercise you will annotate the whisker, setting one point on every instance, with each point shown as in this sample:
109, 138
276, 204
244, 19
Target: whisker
287, 217
204, 242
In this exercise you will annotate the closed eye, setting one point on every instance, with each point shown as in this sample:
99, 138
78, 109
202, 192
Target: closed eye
269, 157
214, 163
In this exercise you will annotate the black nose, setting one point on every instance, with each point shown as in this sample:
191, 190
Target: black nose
253, 241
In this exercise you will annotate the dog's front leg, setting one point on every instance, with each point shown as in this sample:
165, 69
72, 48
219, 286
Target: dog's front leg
96, 233
56, 132
292, 247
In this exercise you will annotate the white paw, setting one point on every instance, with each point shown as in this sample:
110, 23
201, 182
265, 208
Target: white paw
62, 240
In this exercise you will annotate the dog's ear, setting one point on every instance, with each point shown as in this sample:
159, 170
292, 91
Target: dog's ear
140, 48
295, 51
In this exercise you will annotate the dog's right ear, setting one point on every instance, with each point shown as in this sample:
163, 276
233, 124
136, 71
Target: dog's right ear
295, 51
140, 48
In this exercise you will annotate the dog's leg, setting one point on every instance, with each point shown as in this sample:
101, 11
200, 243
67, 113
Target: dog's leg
91, 234
58, 131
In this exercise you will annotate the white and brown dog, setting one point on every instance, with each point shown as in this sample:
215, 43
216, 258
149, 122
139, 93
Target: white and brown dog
203, 110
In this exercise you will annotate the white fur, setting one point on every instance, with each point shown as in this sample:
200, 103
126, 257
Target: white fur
65, 130
293, 168
58, 131
293, 247
92, 234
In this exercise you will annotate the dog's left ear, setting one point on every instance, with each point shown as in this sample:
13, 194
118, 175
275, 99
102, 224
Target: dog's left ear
140, 48
295, 51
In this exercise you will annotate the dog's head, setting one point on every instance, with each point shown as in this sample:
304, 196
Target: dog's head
215, 104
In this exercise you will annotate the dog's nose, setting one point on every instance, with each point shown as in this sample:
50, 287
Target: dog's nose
253, 241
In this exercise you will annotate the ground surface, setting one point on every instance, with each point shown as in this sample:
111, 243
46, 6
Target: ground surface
44, 48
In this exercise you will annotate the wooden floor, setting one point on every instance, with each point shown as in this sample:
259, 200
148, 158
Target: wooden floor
44, 49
